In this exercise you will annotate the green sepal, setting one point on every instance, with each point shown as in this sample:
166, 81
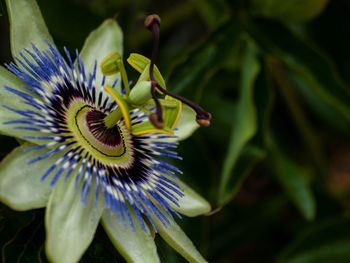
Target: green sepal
141, 92
109, 65
147, 127
140, 62
123, 106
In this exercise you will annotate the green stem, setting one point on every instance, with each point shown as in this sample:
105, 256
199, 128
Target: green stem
113, 117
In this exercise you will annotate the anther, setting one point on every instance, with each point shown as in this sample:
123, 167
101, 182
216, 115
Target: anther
153, 117
150, 20
156, 118
204, 120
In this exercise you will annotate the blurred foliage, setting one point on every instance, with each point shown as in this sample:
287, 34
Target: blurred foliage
275, 163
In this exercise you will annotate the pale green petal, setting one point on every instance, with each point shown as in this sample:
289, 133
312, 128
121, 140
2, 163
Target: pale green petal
26, 26
178, 240
70, 226
187, 123
191, 204
20, 186
100, 43
13, 101
135, 246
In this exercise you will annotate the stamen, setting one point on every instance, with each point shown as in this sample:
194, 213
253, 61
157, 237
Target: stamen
203, 118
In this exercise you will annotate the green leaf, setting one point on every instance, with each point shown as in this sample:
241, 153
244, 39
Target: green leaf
27, 242
325, 242
70, 225
135, 246
197, 66
308, 134
291, 11
315, 75
27, 27
186, 124
101, 42
296, 182
245, 122
213, 12
191, 204
324, 102
20, 186
178, 240
249, 156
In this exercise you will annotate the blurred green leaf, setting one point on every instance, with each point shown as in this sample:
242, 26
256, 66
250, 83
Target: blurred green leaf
196, 67
328, 106
309, 136
213, 12
296, 182
254, 151
264, 98
21, 236
322, 243
245, 122
316, 77
27, 244
248, 157
241, 225
290, 11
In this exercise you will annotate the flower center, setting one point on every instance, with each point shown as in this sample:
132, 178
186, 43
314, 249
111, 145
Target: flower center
95, 123
109, 145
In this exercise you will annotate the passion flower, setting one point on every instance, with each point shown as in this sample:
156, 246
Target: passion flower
94, 150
